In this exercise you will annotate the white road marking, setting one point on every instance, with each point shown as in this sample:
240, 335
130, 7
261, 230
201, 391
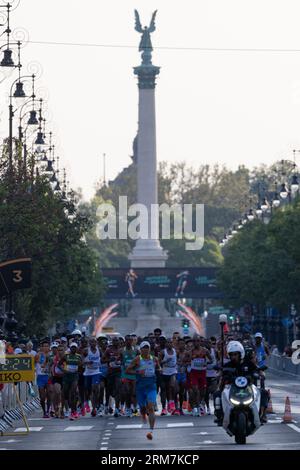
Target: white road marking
10, 441
180, 425
274, 421
105, 438
294, 427
103, 448
129, 426
30, 429
208, 442
78, 428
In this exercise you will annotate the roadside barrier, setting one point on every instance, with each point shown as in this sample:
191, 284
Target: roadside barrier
10, 409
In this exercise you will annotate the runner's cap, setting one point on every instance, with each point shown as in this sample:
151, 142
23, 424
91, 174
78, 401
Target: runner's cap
145, 344
258, 335
73, 345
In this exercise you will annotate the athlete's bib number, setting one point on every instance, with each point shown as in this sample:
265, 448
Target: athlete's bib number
198, 363
72, 368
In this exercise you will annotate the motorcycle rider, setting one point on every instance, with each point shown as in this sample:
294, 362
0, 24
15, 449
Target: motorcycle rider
237, 366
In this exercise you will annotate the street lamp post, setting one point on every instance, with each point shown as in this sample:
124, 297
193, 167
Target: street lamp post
222, 321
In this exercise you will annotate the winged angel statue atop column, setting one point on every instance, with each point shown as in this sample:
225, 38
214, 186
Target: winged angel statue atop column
145, 44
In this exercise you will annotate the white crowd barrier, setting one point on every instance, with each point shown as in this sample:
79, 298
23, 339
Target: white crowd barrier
283, 364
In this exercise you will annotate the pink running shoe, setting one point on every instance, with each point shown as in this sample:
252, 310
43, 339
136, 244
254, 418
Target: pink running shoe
82, 411
72, 416
87, 408
171, 407
76, 415
176, 413
163, 412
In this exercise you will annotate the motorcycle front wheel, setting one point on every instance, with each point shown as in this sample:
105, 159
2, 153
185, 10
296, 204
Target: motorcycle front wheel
240, 437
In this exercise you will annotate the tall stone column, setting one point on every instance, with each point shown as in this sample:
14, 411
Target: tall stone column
147, 252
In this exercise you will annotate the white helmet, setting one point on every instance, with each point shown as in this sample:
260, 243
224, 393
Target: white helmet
236, 346
76, 332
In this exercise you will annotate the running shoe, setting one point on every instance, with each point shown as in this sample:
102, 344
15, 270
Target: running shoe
172, 407
135, 412
195, 412
76, 415
201, 410
46, 416
110, 410
163, 412
72, 416
87, 408
176, 412
101, 411
94, 412
117, 413
82, 412
208, 411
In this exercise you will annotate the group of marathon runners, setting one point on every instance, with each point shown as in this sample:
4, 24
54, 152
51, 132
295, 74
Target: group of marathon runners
133, 376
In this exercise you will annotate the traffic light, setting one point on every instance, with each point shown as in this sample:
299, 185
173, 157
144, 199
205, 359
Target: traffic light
185, 323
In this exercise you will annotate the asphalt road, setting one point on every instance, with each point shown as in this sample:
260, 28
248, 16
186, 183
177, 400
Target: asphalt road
171, 433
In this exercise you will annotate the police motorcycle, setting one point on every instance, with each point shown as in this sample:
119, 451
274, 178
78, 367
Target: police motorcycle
240, 401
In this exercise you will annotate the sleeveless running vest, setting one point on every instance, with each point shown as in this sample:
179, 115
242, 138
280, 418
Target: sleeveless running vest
149, 378
169, 363
94, 368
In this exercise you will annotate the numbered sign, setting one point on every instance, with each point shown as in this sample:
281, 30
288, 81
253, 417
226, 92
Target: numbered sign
15, 275
18, 368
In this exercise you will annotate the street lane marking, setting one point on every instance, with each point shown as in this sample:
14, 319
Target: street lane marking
129, 426
180, 425
10, 441
78, 428
294, 427
30, 429
103, 448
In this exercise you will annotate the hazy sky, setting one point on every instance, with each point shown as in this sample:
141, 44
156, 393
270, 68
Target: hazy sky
212, 106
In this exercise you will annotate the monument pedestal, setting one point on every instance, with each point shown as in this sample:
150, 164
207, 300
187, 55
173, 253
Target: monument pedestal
143, 319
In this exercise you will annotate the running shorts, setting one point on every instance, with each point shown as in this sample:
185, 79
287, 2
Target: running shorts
198, 378
90, 380
181, 378
128, 381
146, 395
57, 380
42, 380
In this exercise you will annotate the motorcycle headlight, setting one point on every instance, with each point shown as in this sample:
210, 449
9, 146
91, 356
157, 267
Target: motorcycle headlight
234, 401
248, 402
